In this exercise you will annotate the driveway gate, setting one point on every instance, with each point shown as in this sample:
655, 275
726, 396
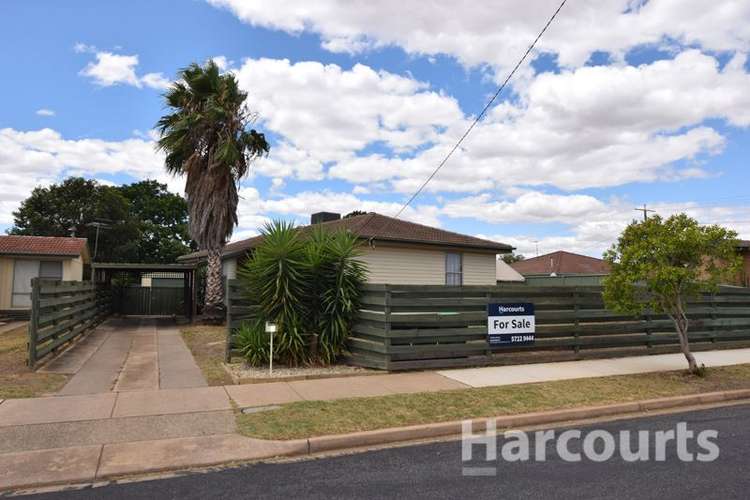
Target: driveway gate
149, 289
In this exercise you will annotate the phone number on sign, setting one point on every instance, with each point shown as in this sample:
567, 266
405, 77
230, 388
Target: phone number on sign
522, 338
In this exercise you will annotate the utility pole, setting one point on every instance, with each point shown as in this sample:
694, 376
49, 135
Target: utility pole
98, 225
645, 211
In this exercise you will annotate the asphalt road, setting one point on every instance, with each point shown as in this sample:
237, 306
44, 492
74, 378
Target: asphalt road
435, 471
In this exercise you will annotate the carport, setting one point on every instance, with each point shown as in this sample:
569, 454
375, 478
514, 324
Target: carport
149, 289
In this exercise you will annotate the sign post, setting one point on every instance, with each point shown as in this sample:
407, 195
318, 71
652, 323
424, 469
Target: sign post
270, 329
511, 324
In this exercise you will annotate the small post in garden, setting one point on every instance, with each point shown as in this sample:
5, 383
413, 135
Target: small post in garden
270, 329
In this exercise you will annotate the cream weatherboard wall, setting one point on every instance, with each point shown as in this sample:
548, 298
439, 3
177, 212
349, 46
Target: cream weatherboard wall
421, 266
72, 269
411, 265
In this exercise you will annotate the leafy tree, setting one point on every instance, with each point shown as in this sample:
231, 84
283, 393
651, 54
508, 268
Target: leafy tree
146, 223
205, 138
162, 221
355, 213
659, 264
69, 207
510, 258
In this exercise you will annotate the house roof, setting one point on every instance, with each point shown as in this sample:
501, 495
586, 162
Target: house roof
561, 262
744, 244
43, 245
380, 228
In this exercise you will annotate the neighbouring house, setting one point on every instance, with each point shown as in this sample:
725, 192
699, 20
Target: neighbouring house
506, 274
396, 251
744, 250
25, 257
562, 268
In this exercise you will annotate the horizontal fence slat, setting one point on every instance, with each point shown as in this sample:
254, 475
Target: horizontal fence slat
61, 312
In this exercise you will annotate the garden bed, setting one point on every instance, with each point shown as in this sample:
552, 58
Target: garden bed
242, 373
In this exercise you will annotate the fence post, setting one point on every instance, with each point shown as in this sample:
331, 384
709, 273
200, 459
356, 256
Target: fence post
228, 347
488, 352
576, 322
713, 318
387, 325
649, 344
33, 322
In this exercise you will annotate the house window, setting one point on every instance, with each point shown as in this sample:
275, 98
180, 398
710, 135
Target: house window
24, 271
454, 269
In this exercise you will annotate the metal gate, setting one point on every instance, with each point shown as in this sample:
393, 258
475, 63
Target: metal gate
152, 301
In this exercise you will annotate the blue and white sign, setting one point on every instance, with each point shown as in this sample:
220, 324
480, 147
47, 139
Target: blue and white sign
510, 324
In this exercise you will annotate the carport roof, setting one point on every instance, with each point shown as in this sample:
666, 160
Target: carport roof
134, 266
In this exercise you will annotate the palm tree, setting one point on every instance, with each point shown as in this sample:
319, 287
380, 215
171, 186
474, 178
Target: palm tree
206, 138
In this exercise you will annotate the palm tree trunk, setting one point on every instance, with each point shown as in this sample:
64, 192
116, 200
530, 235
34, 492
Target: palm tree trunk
214, 288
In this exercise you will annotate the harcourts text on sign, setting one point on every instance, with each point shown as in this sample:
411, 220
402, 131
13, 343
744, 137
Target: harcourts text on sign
510, 324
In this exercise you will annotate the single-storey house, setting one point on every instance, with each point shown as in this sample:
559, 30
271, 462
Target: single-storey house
561, 263
25, 257
396, 251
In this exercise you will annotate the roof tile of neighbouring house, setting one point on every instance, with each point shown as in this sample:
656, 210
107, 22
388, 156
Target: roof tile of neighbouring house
381, 228
561, 262
41, 245
743, 244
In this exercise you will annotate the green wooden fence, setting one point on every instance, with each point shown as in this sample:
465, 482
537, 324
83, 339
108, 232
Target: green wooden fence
413, 327
62, 311
240, 308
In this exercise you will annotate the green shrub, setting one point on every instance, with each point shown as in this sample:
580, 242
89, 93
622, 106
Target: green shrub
253, 342
308, 284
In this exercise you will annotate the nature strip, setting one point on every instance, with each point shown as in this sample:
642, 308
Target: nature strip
453, 428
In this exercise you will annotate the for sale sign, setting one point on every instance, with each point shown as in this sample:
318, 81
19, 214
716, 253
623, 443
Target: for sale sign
510, 324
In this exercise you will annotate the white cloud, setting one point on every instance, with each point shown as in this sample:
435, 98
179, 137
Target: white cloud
113, 69
254, 210
45, 112
597, 229
590, 127
82, 48
479, 33
529, 207
41, 157
330, 113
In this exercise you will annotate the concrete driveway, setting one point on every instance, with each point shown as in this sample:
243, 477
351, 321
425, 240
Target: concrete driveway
129, 354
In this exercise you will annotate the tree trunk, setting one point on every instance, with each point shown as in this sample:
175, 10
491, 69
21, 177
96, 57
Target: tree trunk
214, 286
681, 322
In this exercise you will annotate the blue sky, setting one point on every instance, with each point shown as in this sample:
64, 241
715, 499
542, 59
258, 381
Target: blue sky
623, 103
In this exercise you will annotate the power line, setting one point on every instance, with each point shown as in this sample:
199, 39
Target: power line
478, 118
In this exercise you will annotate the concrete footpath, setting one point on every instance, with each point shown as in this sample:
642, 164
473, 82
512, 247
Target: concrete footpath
124, 430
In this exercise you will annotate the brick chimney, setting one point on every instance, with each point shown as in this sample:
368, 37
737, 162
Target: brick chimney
319, 217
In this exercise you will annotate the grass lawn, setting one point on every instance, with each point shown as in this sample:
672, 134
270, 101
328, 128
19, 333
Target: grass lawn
207, 345
16, 380
316, 418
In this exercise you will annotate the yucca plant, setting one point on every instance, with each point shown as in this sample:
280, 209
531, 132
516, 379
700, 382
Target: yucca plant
276, 276
310, 285
253, 342
343, 274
